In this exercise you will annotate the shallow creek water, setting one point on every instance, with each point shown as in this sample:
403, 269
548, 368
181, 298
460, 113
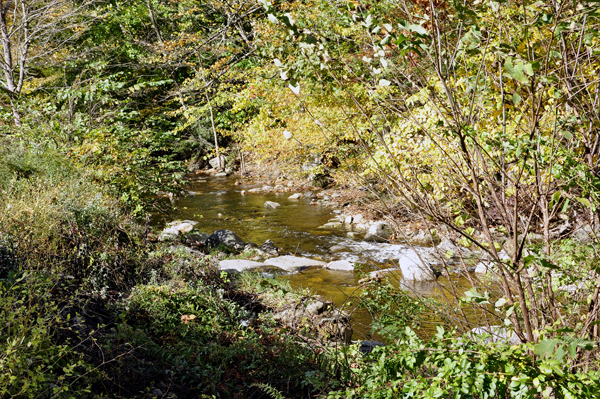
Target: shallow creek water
217, 203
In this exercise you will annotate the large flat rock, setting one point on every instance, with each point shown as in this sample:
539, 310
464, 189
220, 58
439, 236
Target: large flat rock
342, 265
289, 262
239, 265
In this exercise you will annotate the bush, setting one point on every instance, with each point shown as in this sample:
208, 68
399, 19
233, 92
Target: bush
51, 216
32, 363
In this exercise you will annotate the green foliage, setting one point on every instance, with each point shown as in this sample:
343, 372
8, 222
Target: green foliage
446, 366
32, 363
392, 309
55, 218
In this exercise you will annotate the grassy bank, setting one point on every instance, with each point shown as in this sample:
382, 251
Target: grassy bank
92, 307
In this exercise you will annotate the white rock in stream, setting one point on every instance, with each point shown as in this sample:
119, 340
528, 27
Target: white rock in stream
272, 205
289, 262
378, 231
414, 268
343, 265
331, 225
295, 196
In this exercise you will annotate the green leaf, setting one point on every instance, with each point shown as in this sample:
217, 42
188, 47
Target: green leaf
572, 349
509, 68
528, 68
546, 347
500, 302
565, 206
556, 196
418, 29
584, 202
518, 74
516, 98
547, 264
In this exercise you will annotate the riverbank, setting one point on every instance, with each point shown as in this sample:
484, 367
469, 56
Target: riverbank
96, 306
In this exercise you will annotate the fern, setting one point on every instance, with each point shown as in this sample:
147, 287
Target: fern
270, 390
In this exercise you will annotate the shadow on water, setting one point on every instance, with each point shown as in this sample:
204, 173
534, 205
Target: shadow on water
218, 203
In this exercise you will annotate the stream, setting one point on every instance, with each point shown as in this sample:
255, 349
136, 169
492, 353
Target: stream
218, 203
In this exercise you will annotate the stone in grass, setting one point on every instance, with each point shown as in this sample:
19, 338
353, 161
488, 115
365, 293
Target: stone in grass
198, 239
238, 265
168, 234
367, 347
225, 237
315, 308
269, 247
272, 205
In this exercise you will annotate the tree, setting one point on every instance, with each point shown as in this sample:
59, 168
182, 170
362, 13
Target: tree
30, 32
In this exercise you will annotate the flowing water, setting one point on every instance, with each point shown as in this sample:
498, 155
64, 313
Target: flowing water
218, 203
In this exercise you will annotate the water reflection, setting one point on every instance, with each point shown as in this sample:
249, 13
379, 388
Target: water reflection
217, 203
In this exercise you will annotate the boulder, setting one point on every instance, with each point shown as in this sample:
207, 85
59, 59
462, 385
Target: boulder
360, 226
357, 219
254, 190
424, 238
343, 265
367, 347
337, 328
414, 269
269, 247
272, 205
348, 219
378, 231
337, 249
214, 163
238, 265
289, 262
222, 174
321, 180
267, 188
197, 239
585, 234
295, 196
168, 234
183, 226
315, 308
226, 238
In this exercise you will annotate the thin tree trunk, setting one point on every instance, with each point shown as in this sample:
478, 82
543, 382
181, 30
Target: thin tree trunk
154, 23
212, 121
